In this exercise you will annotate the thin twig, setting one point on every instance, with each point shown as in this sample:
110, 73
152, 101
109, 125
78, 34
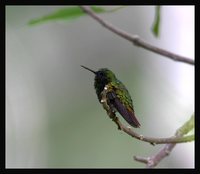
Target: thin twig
155, 159
152, 140
135, 39
170, 142
129, 131
165, 151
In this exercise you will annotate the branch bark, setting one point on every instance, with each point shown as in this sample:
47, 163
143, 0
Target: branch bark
154, 141
165, 151
135, 39
170, 142
174, 139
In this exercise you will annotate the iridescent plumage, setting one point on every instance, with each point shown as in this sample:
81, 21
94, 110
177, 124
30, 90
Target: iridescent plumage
119, 97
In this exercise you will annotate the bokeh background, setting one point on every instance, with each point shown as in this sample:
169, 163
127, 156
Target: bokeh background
53, 117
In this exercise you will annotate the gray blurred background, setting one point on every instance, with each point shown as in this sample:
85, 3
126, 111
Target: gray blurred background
53, 117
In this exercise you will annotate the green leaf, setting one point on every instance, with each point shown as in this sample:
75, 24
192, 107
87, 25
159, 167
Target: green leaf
156, 24
68, 13
187, 127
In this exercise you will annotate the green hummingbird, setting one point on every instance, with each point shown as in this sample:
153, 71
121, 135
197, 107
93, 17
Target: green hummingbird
119, 97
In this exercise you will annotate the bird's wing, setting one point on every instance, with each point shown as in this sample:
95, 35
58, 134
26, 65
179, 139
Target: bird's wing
126, 111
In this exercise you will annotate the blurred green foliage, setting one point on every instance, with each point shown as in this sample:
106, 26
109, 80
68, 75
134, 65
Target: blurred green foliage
74, 12
156, 23
67, 13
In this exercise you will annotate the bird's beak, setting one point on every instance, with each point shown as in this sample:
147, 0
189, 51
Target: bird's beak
89, 69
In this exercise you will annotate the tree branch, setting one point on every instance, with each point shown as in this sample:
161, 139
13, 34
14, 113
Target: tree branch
129, 131
152, 140
165, 151
135, 39
170, 142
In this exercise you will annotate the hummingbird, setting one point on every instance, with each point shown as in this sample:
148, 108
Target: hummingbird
119, 97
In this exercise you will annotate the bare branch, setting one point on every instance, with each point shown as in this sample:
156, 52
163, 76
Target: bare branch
154, 160
152, 140
135, 39
170, 142
129, 131
165, 151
